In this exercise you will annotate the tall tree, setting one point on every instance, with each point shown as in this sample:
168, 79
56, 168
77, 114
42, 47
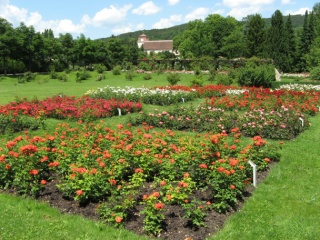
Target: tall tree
292, 45
278, 46
255, 36
7, 42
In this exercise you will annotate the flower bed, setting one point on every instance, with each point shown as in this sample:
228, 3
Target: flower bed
157, 96
65, 107
126, 168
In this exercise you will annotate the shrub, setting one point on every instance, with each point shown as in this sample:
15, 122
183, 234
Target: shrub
145, 66
147, 76
63, 77
173, 78
196, 81
315, 73
256, 76
100, 68
83, 75
223, 79
116, 70
129, 75
53, 74
29, 76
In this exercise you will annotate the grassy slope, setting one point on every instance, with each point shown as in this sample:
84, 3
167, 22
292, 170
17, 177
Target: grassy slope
286, 205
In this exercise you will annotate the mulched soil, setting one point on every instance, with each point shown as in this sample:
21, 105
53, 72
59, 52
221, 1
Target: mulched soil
176, 228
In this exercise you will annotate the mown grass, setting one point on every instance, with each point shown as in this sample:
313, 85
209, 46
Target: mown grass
285, 206
23, 218
43, 86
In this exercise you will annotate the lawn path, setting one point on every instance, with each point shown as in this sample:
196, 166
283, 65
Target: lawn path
287, 204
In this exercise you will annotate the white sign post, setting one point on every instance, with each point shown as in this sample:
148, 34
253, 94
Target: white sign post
119, 111
254, 172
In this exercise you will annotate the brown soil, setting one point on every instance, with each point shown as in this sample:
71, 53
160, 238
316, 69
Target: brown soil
176, 227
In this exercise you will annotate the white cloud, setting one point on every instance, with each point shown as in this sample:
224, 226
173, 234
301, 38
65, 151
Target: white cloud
122, 29
173, 2
127, 28
199, 13
110, 15
140, 26
147, 8
238, 3
284, 2
168, 22
239, 13
301, 11
16, 15
12, 13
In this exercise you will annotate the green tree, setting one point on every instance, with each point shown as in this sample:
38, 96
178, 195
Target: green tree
292, 45
7, 41
255, 36
278, 46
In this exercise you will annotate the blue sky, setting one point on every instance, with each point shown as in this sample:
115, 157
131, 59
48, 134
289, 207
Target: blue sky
101, 18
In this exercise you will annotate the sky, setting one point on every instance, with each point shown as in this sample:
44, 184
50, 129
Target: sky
101, 18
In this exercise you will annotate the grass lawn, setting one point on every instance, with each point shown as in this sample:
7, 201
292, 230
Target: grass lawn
285, 206
43, 86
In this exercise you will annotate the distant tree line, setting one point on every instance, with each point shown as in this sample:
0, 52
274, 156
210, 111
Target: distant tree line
291, 49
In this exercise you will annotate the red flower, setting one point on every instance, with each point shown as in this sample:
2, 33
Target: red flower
28, 149
113, 182
43, 182
204, 166
159, 205
156, 194
138, 170
54, 164
79, 192
33, 172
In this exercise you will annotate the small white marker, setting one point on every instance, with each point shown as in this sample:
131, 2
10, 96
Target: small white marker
254, 172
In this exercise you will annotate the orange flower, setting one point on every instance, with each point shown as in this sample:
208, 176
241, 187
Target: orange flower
156, 194
33, 172
232, 186
159, 205
204, 166
138, 170
79, 192
118, 219
162, 183
43, 182
28, 149
8, 167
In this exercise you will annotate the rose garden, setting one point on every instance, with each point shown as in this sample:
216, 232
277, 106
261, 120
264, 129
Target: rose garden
183, 158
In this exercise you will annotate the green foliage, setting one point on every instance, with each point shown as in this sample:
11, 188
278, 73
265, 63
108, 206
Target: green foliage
196, 81
173, 78
82, 75
147, 76
116, 70
29, 76
315, 73
11, 124
145, 66
129, 75
63, 77
256, 76
53, 74
223, 79
100, 68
